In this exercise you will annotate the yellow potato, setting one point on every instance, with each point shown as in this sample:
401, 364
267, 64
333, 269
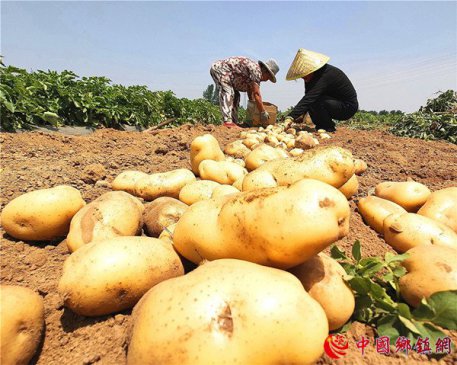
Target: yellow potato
109, 276
360, 166
222, 190
250, 142
296, 152
21, 324
113, 214
238, 184
208, 318
351, 187
431, 268
408, 230
332, 165
223, 172
198, 190
162, 213
410, 195
305, 141
374, 210
261, 154
204, 147
281, 227
127, 180
322, 278
442, 207
42, 215
164, 184
237, 149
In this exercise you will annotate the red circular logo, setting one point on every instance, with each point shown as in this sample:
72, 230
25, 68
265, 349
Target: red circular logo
336, 346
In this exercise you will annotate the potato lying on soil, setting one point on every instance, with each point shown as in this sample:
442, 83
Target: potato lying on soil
410, 195
223, 172
162, 213
408, 230
198, 190
222, 190
261, 154
430, 269
164, 184
204, 147
296, 152
21, 324
237, 149
374, 210
332, 165
127, 180
113, 214
305, 141
350, 187
281, 227
206, 317
322, 278
360, 166
42, 215
109, 276
442, 207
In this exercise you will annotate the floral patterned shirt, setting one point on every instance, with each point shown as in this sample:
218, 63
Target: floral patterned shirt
240, 72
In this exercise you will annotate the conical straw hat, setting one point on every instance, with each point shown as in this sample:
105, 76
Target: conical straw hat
304, 63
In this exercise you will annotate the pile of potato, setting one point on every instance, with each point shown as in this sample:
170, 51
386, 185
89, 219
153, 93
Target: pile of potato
255, 219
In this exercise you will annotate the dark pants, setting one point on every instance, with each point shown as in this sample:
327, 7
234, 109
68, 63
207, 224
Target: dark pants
327, 108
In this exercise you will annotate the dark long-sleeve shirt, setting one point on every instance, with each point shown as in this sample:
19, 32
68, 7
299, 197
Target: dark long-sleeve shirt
329, 81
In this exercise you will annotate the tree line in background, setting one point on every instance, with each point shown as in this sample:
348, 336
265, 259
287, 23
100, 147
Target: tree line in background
40, 98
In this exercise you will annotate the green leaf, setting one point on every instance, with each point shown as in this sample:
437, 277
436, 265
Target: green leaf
440, 308
399, 271
404, 310
391, 327
356, 251
337, 254
390, 257
428, 330
409, 325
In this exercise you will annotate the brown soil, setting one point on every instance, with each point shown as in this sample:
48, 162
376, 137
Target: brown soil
36, 160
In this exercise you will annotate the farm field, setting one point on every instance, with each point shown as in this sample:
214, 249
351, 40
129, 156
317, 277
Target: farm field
36, 160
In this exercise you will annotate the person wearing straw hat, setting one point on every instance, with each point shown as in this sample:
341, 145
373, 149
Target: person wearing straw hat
241, 74
329, 94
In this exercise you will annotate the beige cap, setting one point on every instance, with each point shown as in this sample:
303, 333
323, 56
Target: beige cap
304, 63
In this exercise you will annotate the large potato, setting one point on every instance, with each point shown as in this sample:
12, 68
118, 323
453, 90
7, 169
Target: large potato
442, 207
21, 324
374, 210
430, 269
196, 191
207, 317
113, 214
109, 276
332, 165
223, 172
163, 184
261, 154
204, 147
162, 213
222, 190
350, 187
281, 227
42, 215
322, 278
410, 195
127, 180
237, 149
408, 230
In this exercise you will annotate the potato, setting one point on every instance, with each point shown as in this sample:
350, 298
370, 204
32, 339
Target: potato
305, 141
21, 324
410, 195
296, 152
431, 268
332, 165
42, 215
282, 153
374, 210
204, 147
240, 162
442, 207
196, 191
237, 149
113, 214
322, 278
222, 190
351, 187
280, 227
162, 213
112, 275
260, 155
223, 172
126, 181
360, 166
250, 142
164, 184
408, 230
206, 317
272, 140
167, 234
238, 184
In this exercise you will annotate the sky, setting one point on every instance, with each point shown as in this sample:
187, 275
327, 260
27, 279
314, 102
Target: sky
397, 54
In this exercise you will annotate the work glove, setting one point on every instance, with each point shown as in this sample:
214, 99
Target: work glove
264, 116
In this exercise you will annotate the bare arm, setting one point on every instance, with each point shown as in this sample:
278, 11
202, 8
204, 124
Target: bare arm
254, 92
